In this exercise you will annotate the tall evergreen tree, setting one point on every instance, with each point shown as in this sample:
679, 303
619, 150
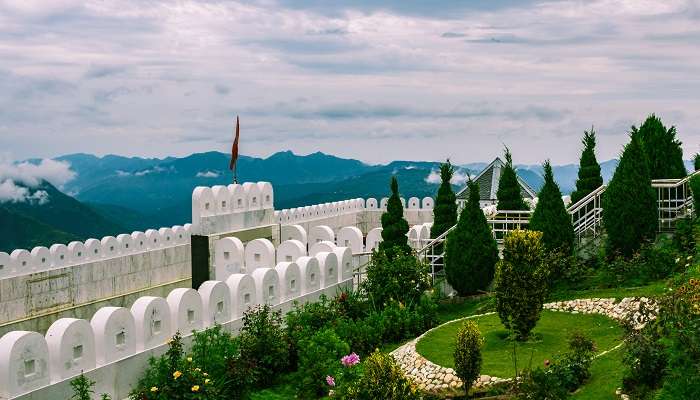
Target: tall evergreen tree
589, 177
508, 194
550, 216
629, 203
696, 161
470, 252
663, 151
394, 226
445, 210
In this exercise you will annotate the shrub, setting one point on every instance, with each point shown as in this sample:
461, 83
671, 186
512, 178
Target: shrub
650, 263
381, 378
684, 237
212, 351
305, 319
82, 388
508, 194
521, 282
629, 203
645, 360
394, 226
539, 384
467, 354
550, 216
471, 252
576, 363
695, 188
319, 357
363, 335
445, 210
589, 177
263, 345
401, 278
663, 151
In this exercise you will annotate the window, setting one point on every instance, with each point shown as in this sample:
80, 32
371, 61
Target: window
24, 263
43, 260
206, 206
256, 256
29, 368
120, 339
157, 324
240, 202
2, 266
347, 243
80, 254
77, 352
96, 251
271, 291
125, 246
190, 316
111, 248
330, 271
227, 255
255, 200
220, 307
223, 204
293, 284
313, 278
288, 258
246, 299
267, 198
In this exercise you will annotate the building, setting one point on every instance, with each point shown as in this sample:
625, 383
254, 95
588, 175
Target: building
488, 180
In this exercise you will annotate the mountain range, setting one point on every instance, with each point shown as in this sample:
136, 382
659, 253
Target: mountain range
115, 194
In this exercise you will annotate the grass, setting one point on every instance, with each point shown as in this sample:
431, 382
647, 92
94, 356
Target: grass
606, 377
283, 390
549, 339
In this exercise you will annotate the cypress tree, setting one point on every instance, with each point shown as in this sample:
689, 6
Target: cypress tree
662, 149
508, 194
589, 177
394, 226
445, 210
696, 161
550, 216
470, 250
629, 203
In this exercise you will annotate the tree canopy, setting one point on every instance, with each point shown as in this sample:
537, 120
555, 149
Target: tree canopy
394, 226
550, 216
445, 210
589, 177
509, 196
663, 151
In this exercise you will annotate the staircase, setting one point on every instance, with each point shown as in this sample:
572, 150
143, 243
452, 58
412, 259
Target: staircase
674, 199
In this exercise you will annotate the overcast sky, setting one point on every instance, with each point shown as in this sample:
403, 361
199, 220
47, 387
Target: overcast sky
373, 80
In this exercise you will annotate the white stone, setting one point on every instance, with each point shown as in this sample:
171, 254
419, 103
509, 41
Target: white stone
71, 344
152, 319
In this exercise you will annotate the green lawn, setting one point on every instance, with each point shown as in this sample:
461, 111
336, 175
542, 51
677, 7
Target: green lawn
549, 339
606, 377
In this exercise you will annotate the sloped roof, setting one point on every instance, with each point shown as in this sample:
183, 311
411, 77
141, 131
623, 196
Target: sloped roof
488, 180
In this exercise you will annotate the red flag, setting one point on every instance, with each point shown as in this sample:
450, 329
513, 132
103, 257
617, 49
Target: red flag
234, 148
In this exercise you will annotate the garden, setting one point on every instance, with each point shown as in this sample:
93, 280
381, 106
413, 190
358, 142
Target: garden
544, 319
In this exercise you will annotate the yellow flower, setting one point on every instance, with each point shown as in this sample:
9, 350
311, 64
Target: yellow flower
177, 374
198, 369
205, 374
195, 388
206, 381
154, 389
189, 359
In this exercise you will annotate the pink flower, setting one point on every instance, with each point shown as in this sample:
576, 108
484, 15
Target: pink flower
546, 363
350, 360
330, 381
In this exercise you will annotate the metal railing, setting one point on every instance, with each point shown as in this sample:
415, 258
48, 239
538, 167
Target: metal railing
505, 221
674, 199
587, 214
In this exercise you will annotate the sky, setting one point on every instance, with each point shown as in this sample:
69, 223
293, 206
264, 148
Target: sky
372, 80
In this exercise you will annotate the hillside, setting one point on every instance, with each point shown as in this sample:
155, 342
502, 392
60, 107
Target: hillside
21, 232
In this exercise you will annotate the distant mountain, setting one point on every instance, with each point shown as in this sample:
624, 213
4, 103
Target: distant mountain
58, 218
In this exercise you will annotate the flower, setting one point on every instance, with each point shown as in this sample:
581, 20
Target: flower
330, 381
177, 374
154, 389
206, 381
546, 363
350, 360
198, 369
195, 388
205, 374
189, 359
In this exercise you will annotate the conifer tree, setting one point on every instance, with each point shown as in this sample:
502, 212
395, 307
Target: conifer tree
550, 216
589, 177
696, 161
394, 226
508, 194
445, 210
629, 203
662, 149
470, 252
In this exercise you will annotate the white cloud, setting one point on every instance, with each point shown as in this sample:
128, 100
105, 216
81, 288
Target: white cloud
11, 192
459, 177
121, 173
18, 179
207, 174
154, 170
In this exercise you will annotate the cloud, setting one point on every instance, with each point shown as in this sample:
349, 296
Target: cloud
207, 174
155, 170
459, 177
31, 174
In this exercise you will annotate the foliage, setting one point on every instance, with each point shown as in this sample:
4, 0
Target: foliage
696, 161
589, 177
550, 216
629, 203
508, 194
521, 282
684, 239
82, 388
467, 353
645, 361
319, 357
663, 151
381, 378
471, 252
213, 350
568, 271
263, 344
576, 363
650, 263
539, 384
695, 188
401, 278
445, 209
305, 319
394, 226
174, 377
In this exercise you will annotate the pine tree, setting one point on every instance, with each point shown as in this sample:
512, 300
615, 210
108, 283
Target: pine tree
696, 162
445, 210
662, 149
589, 178
629, 203
508, 194
470, 252
550, 216
394, 226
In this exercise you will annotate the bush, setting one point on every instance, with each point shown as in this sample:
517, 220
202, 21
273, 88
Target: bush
401, 278
319, 357
263, 345
695, 188
381, 378
471, 252
650, 263
364, 335
645, 361
539, 384
576, 363
521, 282
629, 203
684, 237
589, 177
550, 216
467, 354
212, 351
394, 226
82, 388
445, 210
508, 194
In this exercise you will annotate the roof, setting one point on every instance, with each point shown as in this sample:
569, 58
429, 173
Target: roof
488, 180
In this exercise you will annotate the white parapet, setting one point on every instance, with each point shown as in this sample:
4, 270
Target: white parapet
267, 286
41, 259
152, 320
216, 302
185, 310
321, 233
71, 344
290, 283
321, 246
311, 274
374, 237
293, 232
259, 253
344, 255
351, 236
115, 334
24, 363
243, 293
328, 262
229, 257
290, 250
